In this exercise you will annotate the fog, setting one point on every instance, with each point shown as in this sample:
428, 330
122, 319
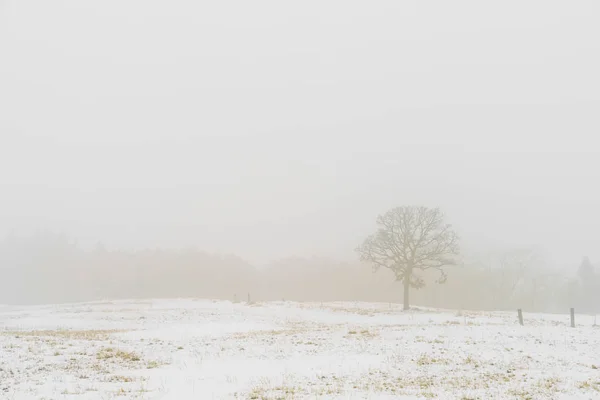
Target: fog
270, 131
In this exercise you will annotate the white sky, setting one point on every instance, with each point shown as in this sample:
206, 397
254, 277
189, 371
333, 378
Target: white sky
272, 128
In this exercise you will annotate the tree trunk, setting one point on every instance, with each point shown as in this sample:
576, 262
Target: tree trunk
406, 304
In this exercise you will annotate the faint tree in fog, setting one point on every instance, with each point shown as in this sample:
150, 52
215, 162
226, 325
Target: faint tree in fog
589, 295
408, 240
586, 270
509, 270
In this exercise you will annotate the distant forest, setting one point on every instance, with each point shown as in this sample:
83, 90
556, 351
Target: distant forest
50, 268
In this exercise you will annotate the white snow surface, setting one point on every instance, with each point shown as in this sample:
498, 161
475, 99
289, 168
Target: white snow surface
203, 349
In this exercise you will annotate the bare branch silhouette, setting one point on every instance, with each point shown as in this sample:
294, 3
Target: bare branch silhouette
410, 239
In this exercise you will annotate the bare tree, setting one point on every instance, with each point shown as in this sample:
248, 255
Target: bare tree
590, 283
408, 240
513, 267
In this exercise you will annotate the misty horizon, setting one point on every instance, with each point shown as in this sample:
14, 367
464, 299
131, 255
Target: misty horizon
271, 130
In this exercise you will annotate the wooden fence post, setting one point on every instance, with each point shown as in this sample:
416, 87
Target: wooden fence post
520, 313
572, 317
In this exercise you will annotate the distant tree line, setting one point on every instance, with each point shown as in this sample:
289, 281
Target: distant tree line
50, 268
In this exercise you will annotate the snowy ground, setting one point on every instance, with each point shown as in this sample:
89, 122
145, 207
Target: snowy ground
201, 349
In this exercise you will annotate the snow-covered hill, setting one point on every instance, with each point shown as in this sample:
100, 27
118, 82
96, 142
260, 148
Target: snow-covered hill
202, 349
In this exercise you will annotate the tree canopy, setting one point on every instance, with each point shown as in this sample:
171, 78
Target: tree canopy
408, 240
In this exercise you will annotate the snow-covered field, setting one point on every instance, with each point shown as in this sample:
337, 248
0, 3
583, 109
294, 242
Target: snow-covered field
202, 349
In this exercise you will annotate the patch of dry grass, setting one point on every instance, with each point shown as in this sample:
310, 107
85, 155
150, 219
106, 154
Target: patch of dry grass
589, 385
263, 333
110, 353
363, 333
65, 334
426, 359
120, 378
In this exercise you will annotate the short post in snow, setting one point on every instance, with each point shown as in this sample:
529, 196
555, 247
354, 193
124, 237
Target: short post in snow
520, 313
248, 298
572, 317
